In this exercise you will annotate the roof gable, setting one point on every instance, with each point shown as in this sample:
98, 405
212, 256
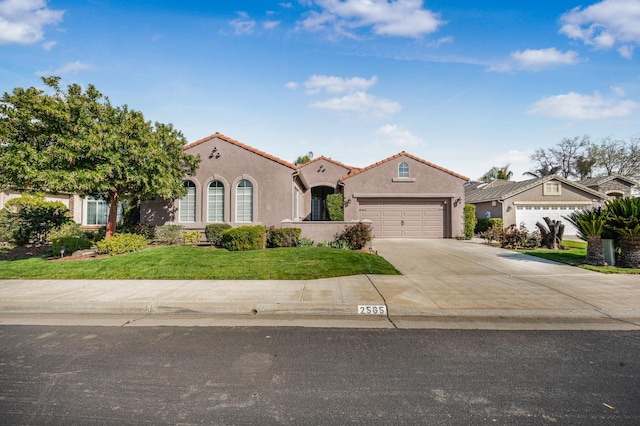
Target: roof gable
356, 172
330, 160
241, 145
604, 179
502, 192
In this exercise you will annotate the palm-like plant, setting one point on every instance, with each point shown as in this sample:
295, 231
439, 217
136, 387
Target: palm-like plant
590, 225
624, 219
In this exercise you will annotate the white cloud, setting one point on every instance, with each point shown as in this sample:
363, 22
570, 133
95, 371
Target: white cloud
268, 25
332, 84
291, 85
605, 25
68, 68
360, 102
243, 24
575, 106
401, 18
22, 21
399, 136
536, 60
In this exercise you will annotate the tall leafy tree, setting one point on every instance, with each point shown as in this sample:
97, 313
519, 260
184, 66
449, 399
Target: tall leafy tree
303, 159
76, 141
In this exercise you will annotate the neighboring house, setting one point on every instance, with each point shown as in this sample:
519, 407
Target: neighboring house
402, 196
528, 202
88, 212
615, 186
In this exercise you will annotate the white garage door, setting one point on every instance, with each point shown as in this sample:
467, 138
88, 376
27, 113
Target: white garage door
405, 218
530, 215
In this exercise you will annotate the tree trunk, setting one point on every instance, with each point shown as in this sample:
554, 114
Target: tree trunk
630, 251
595, 251
551, 236
112, 219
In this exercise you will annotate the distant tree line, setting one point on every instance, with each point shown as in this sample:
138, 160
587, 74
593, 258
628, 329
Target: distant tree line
582, 158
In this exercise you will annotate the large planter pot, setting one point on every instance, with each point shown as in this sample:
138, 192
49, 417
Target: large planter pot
630, 251
595, 251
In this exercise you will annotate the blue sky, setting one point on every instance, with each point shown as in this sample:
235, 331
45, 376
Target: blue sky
467, 85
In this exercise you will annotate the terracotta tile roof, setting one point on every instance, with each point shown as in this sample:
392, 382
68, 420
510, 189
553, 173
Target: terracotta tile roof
322, 157
355, 172
241, 145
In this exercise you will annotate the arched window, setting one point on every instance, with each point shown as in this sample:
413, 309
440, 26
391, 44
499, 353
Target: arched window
215, 202
244, 201
188, 203
403, 170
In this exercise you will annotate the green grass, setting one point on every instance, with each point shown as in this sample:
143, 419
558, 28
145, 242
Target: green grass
576, 256
204, 263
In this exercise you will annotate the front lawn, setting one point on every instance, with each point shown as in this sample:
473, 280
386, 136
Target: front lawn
575, 255
204, 263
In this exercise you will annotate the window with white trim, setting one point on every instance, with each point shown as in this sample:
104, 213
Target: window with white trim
188, 203
215, 202
403, 170
552, 188
97, 211
244, 201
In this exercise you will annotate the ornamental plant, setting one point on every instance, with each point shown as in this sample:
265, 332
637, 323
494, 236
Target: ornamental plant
590, 225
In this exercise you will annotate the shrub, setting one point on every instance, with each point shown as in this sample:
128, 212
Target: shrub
245, 238
121, 243
283, 237
356, 236
69, 229
214, 231
71, 243
519, 238
335, 207
147, 230
97, 235
191, 237
33, 218
485, 224
305, 242
335, 244
169, 234
6, 234
470, 221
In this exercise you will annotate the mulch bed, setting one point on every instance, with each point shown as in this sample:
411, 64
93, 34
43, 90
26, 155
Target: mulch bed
13, 253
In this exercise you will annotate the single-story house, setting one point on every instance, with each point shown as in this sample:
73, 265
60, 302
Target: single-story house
529, 201
615, 186
402, 196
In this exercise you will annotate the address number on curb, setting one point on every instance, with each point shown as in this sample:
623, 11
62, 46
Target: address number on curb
372, 309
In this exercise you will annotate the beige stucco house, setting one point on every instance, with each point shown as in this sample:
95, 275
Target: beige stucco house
529, 201
402, 196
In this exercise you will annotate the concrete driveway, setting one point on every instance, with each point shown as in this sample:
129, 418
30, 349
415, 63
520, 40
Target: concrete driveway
469, 279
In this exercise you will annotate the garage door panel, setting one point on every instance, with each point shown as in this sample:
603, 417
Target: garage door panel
406, 218
530, 215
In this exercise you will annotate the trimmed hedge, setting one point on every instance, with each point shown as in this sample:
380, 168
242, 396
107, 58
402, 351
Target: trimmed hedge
485, 224
214, 231
245, 238
121, 243
283, 237
335, 203
71, 244
470, 220
169, 234
191, 237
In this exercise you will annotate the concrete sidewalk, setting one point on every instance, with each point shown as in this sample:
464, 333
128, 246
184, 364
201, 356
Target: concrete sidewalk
445, 284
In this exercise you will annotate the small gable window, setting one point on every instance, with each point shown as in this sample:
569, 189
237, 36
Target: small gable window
403, 170
552, 188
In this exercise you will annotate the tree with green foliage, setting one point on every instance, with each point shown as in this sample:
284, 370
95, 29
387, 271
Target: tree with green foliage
76, 141
30, 218
497, 173
303, 159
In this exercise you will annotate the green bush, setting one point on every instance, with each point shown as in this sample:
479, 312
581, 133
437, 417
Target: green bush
305, 242
191, 237
6, 234
96, 235
335, 207
169, 234
245, 238
283, 237
71, 243
356, 236
470, 221
69, 229
31, 218
485, 224
121, 243
147, 230
214, 231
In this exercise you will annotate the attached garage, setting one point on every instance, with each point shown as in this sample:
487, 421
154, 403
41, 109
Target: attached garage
406, 217
530, 214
